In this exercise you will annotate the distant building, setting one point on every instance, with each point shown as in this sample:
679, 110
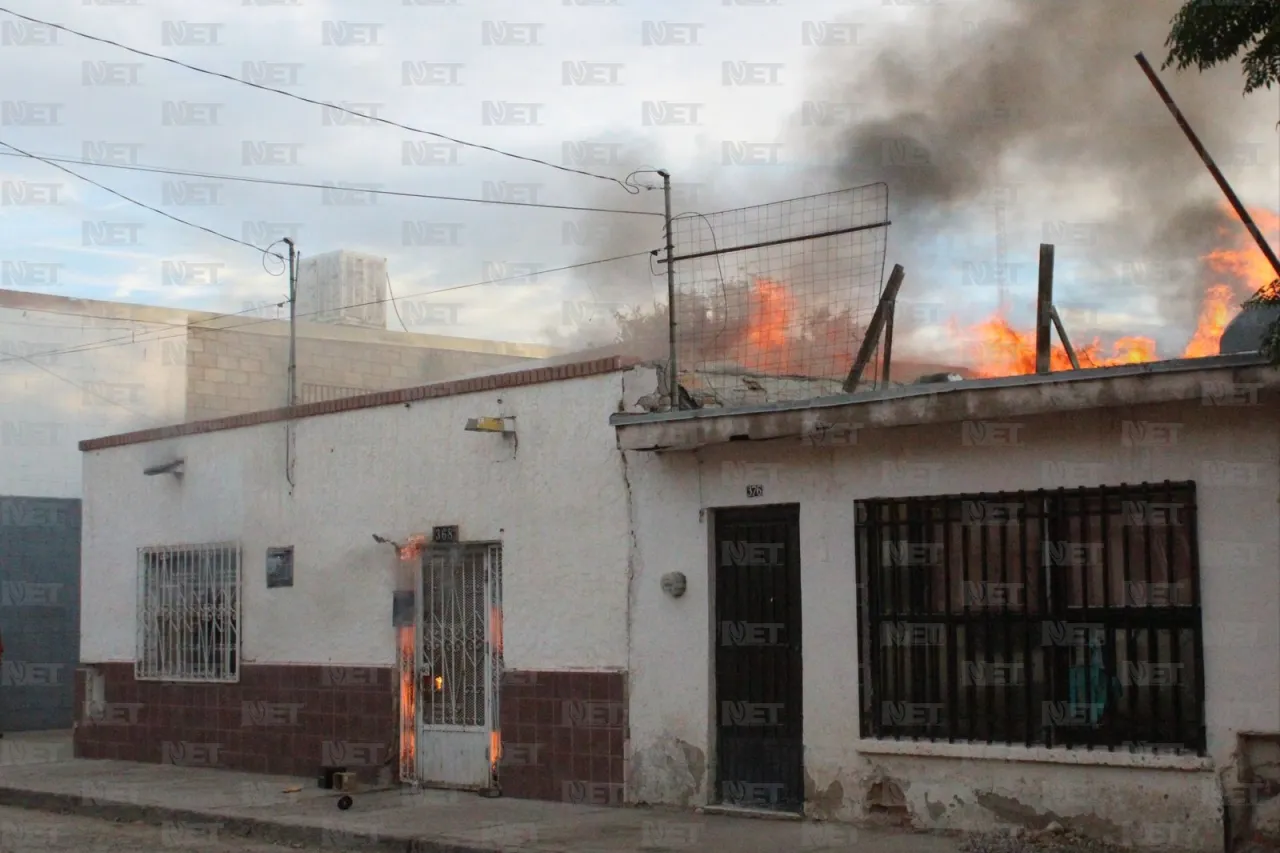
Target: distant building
343, 288
75, 368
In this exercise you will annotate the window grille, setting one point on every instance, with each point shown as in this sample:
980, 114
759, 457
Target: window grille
189, 613
313, 393
1067, 618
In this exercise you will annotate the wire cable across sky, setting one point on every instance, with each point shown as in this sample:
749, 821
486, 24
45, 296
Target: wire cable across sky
135, 201
630, 188
351, 188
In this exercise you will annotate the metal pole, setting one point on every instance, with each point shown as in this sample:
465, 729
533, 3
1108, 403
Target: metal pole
874, 328
293, 323
673, 380
1208, 161
1044, 304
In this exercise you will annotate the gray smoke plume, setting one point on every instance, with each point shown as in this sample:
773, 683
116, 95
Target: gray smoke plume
1047, 96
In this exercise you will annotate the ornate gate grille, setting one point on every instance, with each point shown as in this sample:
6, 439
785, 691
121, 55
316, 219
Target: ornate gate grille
461, 613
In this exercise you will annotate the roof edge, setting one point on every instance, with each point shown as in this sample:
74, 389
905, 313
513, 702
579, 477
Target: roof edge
906, 392
450, 388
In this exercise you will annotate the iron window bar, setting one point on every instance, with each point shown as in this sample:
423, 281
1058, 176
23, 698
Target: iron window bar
1060, 618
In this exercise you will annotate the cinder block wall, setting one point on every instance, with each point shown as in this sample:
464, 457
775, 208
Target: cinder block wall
232, 372
39, 611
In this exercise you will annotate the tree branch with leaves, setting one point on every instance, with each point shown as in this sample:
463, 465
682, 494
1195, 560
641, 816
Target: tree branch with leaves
1208, 33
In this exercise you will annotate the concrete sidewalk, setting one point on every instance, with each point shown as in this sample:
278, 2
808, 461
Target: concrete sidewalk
35, 774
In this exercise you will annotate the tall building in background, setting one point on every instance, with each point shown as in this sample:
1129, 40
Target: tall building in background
343, 288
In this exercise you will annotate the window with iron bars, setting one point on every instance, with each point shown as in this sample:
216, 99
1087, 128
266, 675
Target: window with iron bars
1068, 618
189, 613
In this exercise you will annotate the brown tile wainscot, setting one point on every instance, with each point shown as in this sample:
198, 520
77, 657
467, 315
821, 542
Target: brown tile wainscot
280, 719
563, 736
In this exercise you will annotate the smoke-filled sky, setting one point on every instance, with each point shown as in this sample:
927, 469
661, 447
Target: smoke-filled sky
952, 104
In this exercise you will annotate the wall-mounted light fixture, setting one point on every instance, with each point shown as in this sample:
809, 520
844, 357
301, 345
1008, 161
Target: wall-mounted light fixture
505, 426
175, 468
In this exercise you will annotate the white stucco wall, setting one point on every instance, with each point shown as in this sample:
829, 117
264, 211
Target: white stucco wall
557, 502
1230, 452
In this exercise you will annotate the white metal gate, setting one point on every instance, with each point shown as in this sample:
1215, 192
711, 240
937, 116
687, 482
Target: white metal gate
460, 639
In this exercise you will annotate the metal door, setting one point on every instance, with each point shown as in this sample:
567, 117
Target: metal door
759, 743
460, 628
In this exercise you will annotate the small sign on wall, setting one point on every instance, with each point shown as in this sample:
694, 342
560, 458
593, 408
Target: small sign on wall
279, 567
443, 535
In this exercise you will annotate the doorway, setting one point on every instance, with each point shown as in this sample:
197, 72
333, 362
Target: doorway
460, 639
758, 661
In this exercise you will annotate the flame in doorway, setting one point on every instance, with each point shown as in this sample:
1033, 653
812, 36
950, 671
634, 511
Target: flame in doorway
408, 710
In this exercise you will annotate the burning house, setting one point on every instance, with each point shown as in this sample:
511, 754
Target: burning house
961, 605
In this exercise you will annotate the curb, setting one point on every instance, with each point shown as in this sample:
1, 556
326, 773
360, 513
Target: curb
243, 827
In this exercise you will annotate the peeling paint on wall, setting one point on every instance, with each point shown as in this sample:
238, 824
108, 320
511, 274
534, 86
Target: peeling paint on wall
671, 771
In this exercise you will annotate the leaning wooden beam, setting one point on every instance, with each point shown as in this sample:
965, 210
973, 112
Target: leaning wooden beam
1062, 333
887, 359
874, 328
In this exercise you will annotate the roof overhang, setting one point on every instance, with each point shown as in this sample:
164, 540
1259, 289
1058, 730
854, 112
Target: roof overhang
1201, 379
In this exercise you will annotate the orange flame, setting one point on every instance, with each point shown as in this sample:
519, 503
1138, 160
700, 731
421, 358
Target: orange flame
412, 547
769, 312
408, 710
1001, 350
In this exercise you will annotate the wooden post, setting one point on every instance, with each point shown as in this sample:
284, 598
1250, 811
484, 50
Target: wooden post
874, 328
888, 348
1044, 316
1062, 333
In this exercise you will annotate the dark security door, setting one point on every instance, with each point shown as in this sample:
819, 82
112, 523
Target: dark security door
759, 743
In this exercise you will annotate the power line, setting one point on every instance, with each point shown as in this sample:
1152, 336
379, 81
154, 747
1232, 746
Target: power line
305, 185
394, 306
75, 384
108, 343
135, 201
629, 188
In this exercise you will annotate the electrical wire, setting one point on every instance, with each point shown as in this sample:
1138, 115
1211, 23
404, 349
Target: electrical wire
394, 306
135, 201
109, 342
129, 167
75, 384
629, 188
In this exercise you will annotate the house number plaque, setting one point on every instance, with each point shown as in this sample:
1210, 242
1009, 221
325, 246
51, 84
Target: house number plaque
756, 491
444, 535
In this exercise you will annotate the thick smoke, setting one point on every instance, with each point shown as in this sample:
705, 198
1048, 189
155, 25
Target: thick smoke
1039, 102
1047, 97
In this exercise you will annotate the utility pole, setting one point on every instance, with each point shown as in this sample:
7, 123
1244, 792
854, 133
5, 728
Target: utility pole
293, 323
673, 380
